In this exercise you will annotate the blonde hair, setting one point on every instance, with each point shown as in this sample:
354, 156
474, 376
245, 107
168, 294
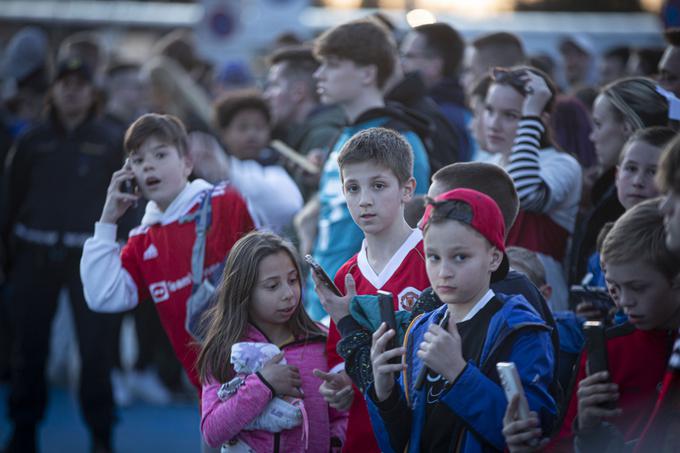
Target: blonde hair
639, 235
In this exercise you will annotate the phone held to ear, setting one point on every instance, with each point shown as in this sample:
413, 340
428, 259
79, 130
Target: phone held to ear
129, 185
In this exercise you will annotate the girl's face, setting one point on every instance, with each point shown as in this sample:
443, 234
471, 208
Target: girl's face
276, 295
247, 134
609, 133
459, 262
502, 112
635, 175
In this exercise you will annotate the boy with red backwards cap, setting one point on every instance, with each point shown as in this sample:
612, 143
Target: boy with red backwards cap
461, 404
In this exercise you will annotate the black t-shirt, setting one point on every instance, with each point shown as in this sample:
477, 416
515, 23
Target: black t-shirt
442, 426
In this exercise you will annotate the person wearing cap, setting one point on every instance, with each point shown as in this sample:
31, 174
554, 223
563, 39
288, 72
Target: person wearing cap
56, 181
461, 341
669, 65
577, 58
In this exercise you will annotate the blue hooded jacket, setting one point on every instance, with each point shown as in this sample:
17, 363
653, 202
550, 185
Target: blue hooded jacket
516, 333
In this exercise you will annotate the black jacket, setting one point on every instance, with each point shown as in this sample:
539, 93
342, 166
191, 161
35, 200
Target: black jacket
442, 140
56, 180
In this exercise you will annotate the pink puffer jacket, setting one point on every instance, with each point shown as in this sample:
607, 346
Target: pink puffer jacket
222, 421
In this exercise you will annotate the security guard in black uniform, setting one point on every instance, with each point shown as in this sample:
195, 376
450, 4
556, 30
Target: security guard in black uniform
56, 181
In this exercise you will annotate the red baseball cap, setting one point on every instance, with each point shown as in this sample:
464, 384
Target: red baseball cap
486, 219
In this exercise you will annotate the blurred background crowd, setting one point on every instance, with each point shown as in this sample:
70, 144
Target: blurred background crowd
241, 76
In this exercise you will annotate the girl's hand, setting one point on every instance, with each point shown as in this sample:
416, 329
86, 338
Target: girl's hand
442, 351
336, 389
538, 94
336, 307
383, 371
117, 202
522, 435
593, 393
285, 379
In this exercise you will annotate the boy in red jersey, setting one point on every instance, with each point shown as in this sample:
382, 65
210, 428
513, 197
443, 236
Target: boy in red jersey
376, 168
156, 262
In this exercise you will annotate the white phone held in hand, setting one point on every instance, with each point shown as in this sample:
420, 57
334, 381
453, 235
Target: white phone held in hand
512, 385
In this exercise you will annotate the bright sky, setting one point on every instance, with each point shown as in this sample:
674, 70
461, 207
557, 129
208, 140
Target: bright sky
462, 7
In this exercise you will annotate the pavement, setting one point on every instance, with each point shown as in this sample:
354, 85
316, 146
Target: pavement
141, 428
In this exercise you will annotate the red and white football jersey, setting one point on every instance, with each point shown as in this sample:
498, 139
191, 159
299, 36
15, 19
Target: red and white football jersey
405, 277
158, 258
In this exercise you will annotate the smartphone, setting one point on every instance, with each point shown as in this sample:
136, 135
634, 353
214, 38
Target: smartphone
129, 185
598, 297
512, 385
596, 344
385, 300
323, 276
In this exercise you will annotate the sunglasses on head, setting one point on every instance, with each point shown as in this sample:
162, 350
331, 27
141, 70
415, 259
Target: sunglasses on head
512, 78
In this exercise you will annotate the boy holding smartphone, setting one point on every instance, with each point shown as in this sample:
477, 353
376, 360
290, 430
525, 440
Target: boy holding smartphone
376, 171
611, 407
156, 262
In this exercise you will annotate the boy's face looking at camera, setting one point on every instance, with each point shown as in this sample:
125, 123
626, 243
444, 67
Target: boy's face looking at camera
635, 173
161, 172
375, 196
459, 261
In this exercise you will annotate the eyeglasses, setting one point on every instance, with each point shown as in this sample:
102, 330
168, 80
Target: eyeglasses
512, 78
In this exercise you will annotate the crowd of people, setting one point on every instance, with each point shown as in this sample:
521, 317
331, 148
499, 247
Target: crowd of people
458, 204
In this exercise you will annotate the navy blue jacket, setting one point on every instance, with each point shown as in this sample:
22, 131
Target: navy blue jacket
516, 333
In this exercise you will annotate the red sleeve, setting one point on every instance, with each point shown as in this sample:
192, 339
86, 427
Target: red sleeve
564, 439
129, 258
333, 333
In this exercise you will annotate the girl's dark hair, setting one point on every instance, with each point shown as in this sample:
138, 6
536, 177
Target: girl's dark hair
228, 318
571, 127
511, 77
233, 103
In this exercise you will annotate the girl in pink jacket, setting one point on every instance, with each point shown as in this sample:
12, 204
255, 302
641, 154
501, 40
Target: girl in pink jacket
259, 301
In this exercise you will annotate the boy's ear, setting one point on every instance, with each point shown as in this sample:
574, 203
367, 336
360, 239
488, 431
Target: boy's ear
188, 165
298, 90
408, 189
627, 128
370, 74
546, 291
496, 259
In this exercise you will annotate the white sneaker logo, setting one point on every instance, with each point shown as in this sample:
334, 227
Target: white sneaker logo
150, 253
